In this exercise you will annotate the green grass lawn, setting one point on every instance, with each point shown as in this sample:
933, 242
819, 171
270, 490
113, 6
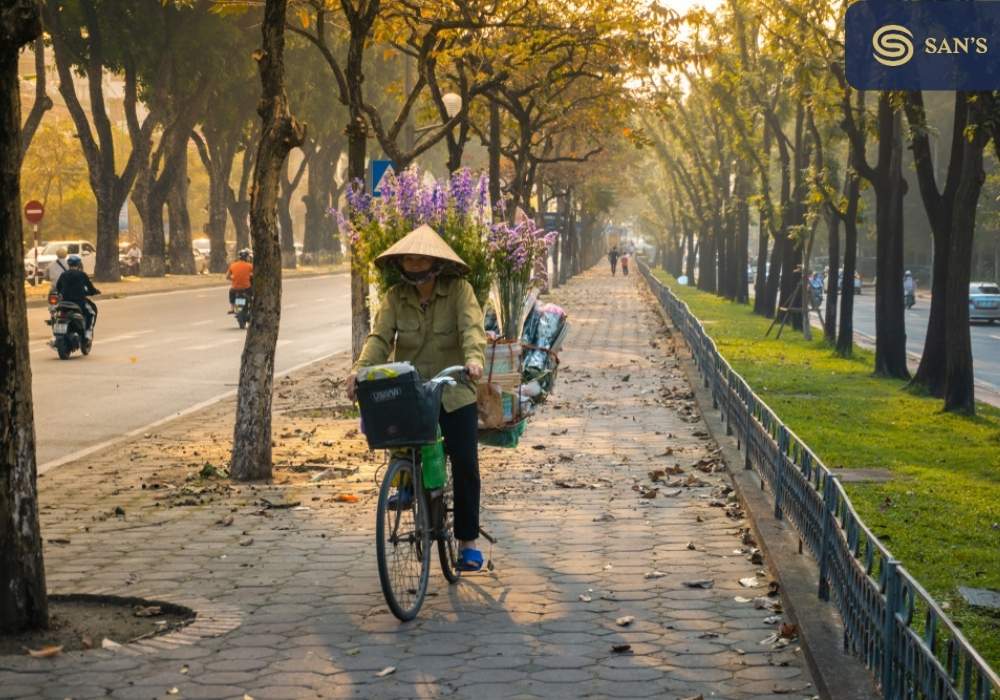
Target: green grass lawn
940, 516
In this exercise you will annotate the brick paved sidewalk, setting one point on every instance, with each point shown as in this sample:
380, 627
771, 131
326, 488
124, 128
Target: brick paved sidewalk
297, 611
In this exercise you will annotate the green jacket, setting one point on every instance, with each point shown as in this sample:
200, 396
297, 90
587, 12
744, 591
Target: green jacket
450, 332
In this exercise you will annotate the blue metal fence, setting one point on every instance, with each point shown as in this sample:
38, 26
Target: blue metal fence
890, 622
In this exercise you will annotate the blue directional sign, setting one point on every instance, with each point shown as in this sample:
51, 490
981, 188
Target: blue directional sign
379, 169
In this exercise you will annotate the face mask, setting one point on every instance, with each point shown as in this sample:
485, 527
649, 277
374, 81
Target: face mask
418, 278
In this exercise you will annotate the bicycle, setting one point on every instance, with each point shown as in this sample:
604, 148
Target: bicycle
409, 518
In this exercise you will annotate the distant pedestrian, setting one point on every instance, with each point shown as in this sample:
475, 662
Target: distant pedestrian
625, 259
613, 259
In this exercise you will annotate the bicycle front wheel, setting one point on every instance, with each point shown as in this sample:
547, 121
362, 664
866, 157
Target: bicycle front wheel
402, 541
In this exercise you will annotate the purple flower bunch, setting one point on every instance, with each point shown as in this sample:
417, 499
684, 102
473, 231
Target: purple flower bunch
516, 248
410, 198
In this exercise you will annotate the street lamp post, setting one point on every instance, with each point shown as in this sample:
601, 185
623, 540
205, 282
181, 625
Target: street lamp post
452, 106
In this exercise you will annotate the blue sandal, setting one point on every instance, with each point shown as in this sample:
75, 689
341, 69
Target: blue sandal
470, 559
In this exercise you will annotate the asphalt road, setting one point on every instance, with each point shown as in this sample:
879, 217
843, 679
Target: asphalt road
157, 355
985, 338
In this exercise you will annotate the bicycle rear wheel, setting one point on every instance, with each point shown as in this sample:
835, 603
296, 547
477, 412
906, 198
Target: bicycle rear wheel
447, 546
402, 542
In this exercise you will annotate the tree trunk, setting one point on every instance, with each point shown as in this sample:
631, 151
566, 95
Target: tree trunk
251, 457
741, 252
287, 192
959, 390
890, 324
217, 151
108, 207
772, 285
239, 202
43, 102
320, 225
23, 602
360, 313
494, 156
832, 283
760, 278
154, 246
691, 256
706, 262
845, 335
930, 374
181, 252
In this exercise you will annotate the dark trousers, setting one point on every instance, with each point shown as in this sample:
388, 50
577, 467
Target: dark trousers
460, 431
614, 264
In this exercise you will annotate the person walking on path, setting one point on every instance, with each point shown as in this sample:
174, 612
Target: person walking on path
625, 259
613, 259
432, 319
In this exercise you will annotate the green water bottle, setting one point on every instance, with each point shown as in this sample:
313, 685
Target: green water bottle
432, 464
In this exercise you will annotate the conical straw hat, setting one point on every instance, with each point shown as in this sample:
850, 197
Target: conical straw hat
422, 241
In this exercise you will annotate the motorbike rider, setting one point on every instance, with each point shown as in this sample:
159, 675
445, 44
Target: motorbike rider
57, 267
240, 274
816, 289
75, 286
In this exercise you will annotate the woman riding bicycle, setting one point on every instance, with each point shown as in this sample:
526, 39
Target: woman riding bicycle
433, 320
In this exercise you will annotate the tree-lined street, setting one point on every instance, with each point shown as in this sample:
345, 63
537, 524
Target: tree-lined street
158, 354
985, 338
488, 191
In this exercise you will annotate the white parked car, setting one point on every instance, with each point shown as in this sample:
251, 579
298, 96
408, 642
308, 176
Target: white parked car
984, 301
47, 255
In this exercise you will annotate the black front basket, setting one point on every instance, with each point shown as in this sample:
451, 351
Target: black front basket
399, 411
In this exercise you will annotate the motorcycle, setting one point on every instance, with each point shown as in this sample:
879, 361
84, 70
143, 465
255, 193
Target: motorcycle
69, 332
242, 301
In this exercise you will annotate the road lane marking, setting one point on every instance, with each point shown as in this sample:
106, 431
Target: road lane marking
290, 306
203, 323
116, 338
52, 464
209, 346
995, 337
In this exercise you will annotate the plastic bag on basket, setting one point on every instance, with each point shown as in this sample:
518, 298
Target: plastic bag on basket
547, 329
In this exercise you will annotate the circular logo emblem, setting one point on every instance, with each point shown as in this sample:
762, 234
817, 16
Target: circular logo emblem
893, 45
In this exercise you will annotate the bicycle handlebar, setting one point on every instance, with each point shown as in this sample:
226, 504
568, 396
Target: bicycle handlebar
445, 376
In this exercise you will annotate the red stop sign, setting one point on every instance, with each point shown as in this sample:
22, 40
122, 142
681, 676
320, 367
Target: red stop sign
34, 211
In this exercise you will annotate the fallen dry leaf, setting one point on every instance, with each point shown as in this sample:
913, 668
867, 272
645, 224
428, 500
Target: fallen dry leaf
388, 670
655, 574
621, 648
750, 582
692, 546
585, 598
226, 521
700, 583
345, 498
109, 644
148, 611
624, 620
788, 630
45, 652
